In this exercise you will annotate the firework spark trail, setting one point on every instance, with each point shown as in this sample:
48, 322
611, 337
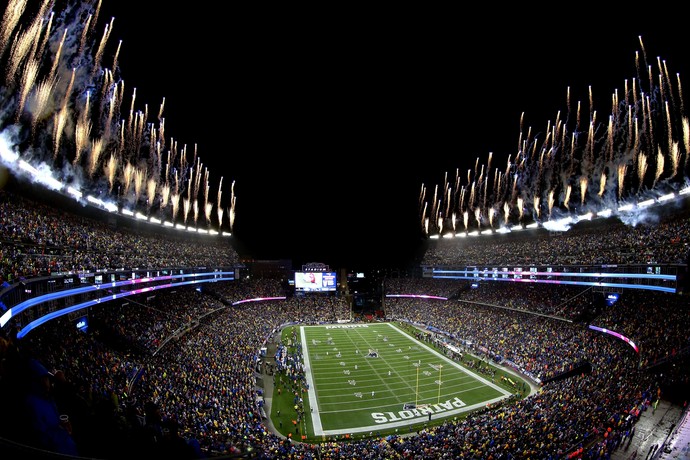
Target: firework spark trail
50, 62
19, 50
128, 177
86, 30
117, 54
28, 79
40, 102
445, 187
659, 167
52, 75
641, 167
95, 155
457, 184
233, 203
101, 48
602, 185
497, 182
433, 201
60, 122
449, 194
486, 182
422, 205
622, 169
176, 181
186, 208
165, 196
13, 13
208, 209
175, 202
219, 209
110, 171
81, 139
151, 188
139, 181
112, 103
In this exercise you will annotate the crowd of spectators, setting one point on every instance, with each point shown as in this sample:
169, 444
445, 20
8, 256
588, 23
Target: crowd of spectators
559, 339
128, 396
175, 374
39, 239
606, 241
555, 300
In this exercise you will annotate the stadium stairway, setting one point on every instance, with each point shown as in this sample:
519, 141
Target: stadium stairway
265, 382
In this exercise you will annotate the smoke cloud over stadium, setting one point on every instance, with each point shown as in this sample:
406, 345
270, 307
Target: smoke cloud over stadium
68, 119
583, 161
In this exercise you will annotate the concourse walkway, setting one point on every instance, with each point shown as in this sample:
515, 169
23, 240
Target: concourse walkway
663, 433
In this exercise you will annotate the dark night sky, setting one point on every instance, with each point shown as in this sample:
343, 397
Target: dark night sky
329, 121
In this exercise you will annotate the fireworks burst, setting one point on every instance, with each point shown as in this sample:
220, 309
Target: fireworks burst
598, 168
63, 108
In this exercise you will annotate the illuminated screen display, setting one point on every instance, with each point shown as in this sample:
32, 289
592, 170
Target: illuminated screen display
612, 298
83, 324
315, 281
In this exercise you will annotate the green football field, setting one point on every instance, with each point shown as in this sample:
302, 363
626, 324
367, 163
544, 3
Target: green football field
371, 377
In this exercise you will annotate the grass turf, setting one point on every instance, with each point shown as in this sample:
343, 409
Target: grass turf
373, 378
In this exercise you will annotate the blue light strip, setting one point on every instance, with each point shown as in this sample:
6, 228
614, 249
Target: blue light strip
574, 283
20, 307
17, 309
490, 274
56, 314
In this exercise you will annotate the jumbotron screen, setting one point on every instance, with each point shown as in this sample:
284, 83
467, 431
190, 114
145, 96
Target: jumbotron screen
315, 281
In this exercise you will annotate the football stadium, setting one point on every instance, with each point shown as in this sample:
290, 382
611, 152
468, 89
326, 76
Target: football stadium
530, 326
